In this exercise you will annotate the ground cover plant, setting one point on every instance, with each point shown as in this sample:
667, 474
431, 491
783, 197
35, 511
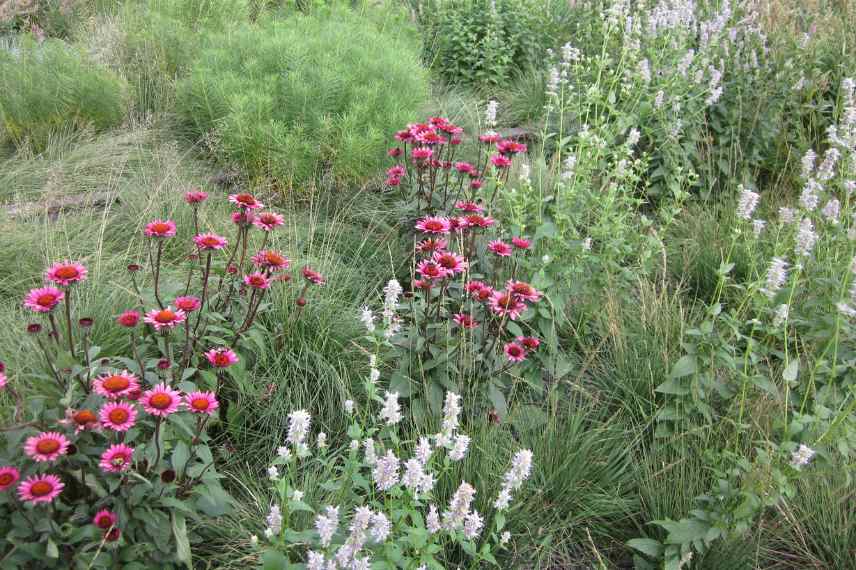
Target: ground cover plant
573, 290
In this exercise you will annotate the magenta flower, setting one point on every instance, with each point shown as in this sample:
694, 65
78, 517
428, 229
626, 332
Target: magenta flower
210, 241
167, 318
515, 352
257, 281
188, 303
431, 270
221, 357
422, 153
469, 207
2, 380
479, 221
40, 489
523, 290
161, 400
245, 201
194, 197
201, 402
464, 167
396, 171
433, 225
466, 321
489, 138
118, 416
243, 217
530, 343
268, 221
509, 147
450, 261
313, 276
500, 161
499, 248
271, 260
431, 245
128, 319
8, 477
521, 242
117, 458
160, 228
504, 303
114, 386
43, 299
66, 273
47, 446
105, 519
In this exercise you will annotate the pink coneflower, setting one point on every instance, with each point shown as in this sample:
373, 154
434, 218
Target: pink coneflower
500, 161
430, 138
160, 229
509, 147
113, 386
46, 446
268, 221
82, 420
210, 241
128, 319
455, 140
450, 261
313, 276
43, 299
393, 181
469, 207
118, 416
523, 290
221, 357
479, 221
257, 281
8, 477
431, 245
464, 167
499, 248
394, 152
476, 184
458, 224
194, 197
161, 400
403, 136
465, 321
188, 303
40, 489
530, 343
2, 380
201, 402
396, 171
66, 273
504, 303
433, 225
117, 458
243, 217
521, 242
431, 270
113, 534
489, 138
423, 284
271, 260
245, 201
105, 519
474, 286
422, 153
167, 318
515, 352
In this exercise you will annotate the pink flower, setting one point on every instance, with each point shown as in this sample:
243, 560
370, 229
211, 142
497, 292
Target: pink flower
2, 380
66, 273
47, 446
114, 386
40, 489
128, 319
194, 197
422, 153
530, 343
504, 303
403, 136
313, 276
450, 261
430, 138
469, 207
167, 318
188, 304
160, 228
458, 224
8, 477
221, 357
118, 416
245, 201
489, 138
509, 147
521, 242
161, 400
479, 221
465, 321
43, 299
523, 290
476, 184
431, 245
257, 281
433, 225
393, 181
431, 270
515, 352
271, 260
394, 152
210, 241
201, 402
116, 458
500, 248
243, 217
268, 221
464, 167
396, 171
82, 420
500, 161
105, 519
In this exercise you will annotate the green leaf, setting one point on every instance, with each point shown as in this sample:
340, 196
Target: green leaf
685, 366
791, 372
182, 543
673, 386
497, 398
765, 384
180, 455
647, 546
273, 560
52, 550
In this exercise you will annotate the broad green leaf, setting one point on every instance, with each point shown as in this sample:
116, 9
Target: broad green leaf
685, 366
182, 543
647, 546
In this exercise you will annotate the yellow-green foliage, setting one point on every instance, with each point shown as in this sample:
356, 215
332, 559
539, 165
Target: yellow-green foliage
51, 87
297, 97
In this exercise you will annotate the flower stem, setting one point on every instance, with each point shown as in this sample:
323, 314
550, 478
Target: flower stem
68, 323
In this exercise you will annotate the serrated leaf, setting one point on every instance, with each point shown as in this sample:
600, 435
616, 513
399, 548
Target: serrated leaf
182, 543
647, 546
685, 366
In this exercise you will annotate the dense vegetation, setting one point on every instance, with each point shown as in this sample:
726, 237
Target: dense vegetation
427, 284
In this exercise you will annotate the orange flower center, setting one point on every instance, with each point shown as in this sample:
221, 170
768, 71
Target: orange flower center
246, 199
274, 259
256, 281
104, 522
46, 300
67, 272
6, 479
118, 415
47, 446
200, 404
160, 401
160, 228
221, 359
84, 417
165, 316
186, 305
210, 242
41, 488
116, 383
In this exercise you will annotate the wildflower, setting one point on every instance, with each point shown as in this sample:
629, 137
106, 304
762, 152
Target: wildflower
391, 411
322, 440
450, 261
807, 162
459, 506
271, 260
831, 211
371, 457
809, 197
781, 315
806, 238
451, 413
500, 161
801, 456
113, 386
464, 167
327, 524
746, 203
160, 229
521, 467
826, 170
423, 450
505, 303
128, 319
530, 343
479, 221
758, 227
432, 520
777, 274
283, 452
46, 446
475, 184
787, 215
313, 276
161, 400
380, 527
118, 416
504, 538
431, 245
201, 402
473, 524
431, 270
65, 273
374, 375
82, 420
521, 242
315, 561
105, 519
166, 318
221, 357
298, 426
273, 470
210, 242
522, 290
257, 281
500, 248
514, 352
188, 303
268, 221
40, 489
508, 147
421, 153
433, 225
349, 407
459, 448
43, 299
194, 197
465, 321
274, 520
116, 458
385, 471
245, 201
569, 167
243, 217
